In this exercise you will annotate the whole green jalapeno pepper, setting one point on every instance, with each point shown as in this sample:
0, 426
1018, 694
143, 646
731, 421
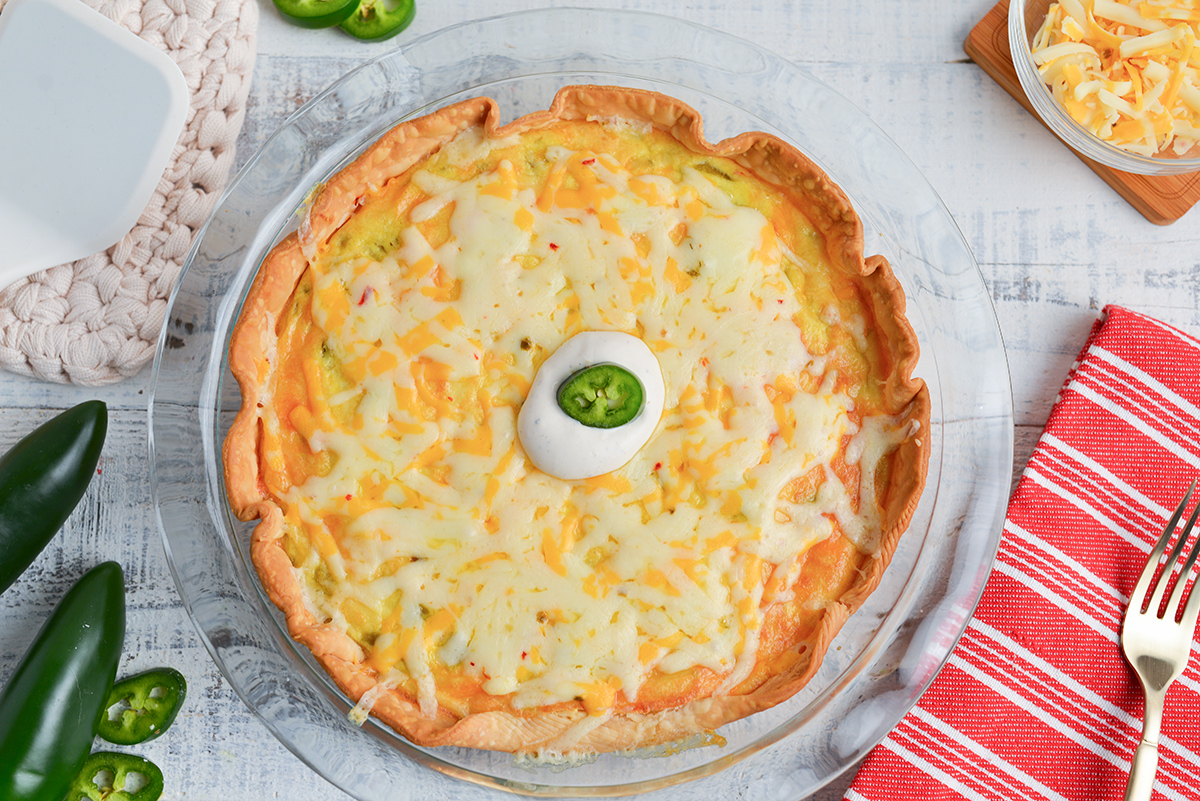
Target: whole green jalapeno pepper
601, 396
42, 478
145, 706
118, 767
51, 707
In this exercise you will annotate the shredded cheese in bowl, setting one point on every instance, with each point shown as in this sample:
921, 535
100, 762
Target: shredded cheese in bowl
1127, 71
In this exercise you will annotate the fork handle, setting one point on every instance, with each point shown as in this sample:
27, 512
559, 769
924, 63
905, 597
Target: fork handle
1141, 774
1145, 759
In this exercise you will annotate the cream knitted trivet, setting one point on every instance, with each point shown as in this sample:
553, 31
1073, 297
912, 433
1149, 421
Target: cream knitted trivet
97, 320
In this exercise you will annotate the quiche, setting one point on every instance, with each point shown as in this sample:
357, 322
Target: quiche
463, 595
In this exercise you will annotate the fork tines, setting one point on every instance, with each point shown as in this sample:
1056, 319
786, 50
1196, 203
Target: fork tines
1160, 577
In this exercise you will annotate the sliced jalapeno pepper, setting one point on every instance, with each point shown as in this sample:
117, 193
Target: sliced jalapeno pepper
315, 13
601, 396
142, 707
114, 769
375, 21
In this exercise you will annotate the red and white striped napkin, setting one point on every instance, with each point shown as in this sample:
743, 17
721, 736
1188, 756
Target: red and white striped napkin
1036, 701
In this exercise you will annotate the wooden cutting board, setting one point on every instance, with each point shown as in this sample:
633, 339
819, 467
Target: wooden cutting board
1161, 199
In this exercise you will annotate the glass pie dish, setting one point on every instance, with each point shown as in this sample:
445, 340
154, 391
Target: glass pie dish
887, 653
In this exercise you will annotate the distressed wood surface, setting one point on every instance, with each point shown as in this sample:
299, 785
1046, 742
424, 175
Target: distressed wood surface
1053, 242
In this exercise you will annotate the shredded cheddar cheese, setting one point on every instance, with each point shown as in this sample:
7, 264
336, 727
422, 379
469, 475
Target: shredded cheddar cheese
1126, 70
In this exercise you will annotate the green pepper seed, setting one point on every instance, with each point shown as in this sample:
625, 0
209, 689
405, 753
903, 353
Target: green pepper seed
601, 396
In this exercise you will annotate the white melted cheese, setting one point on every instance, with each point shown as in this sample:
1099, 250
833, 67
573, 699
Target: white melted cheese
549, 589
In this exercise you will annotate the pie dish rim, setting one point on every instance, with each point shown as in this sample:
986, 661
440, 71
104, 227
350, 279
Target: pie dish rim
973, 403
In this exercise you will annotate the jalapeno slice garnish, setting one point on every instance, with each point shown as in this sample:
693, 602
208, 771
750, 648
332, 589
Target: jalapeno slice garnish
601, 396
141, 707
114, 770
375, 20
315, 13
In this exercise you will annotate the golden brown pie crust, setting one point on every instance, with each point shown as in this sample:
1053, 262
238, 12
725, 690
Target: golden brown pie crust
835, 578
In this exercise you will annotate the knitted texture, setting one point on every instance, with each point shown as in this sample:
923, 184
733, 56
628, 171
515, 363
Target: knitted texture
96, 320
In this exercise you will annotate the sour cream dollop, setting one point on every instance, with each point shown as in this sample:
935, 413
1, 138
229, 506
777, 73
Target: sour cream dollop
564, 447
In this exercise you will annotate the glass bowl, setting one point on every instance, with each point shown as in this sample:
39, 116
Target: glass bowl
887, 653
1025, 17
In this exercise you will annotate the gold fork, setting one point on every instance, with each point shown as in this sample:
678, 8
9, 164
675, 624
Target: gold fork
1157, 646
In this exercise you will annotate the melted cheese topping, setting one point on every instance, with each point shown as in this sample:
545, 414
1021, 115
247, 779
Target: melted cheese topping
1126, 71
411, 511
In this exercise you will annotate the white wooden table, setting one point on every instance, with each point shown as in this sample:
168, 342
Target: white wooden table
1054, 244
